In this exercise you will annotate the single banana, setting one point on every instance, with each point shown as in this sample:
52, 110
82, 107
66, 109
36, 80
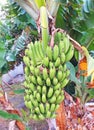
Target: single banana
50, 92
52, 72
49, 52
45, 61
61, 47
60, 99
57, 92
59, 75
57, 86
43, 98
67, 73
41, 117
40, 49
62, 57
52, 99
28, 104
41, 106
32, 69
32, 86
64, 82
39, 80
37, 71
48, 82
57, 62
70, 53
26, 60
48, 114
52, 108
55, 81
55, 52
38, 97
39, 89
45, 73
66, 43
27, 71
33, 79
47, 107
37, 50
44, 89
37, 110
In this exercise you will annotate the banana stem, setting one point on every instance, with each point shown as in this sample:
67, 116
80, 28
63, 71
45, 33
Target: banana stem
44, 27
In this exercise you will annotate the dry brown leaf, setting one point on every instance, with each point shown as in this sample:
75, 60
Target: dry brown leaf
20, 125
60, 118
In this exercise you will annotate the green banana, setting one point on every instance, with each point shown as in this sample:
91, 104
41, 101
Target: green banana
37, 50
45, 61
50, 92
55, 52
26, 60
38, 97
43, 98
61, 47
26, 97
35, 117
40, 49
44, 89
62, 57
33, 79
45, 73
52, 99
60, 99
57, 86
57, 62
41, 117
67, 73
48, 81
35, 103
48, 114
32, 86
66, 43
39, 89
28, 104
64, 67
26, 71
51, 64
64, 82
52, 108
32, 69
52, 72
41, 106
59, 36
57, 92
49, 52
34, 58
59, 75
37, 110
55, 81
47, 106
37, 71
57, 106
39, 80
70, 53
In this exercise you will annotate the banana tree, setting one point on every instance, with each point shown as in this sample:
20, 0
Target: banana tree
46, 60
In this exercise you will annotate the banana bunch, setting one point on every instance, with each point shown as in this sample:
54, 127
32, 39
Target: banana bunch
46, 75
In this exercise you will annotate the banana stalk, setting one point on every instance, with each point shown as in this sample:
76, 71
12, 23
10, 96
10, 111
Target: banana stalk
44, 27
40, 3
